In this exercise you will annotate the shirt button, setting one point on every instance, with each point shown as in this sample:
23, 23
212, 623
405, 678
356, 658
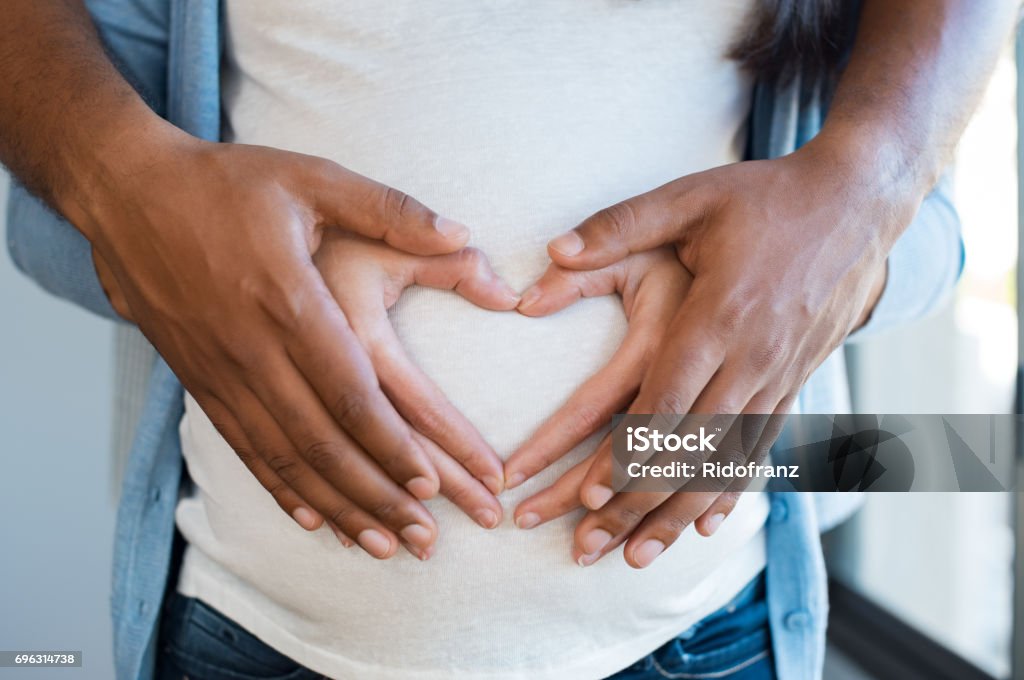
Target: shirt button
795, 620
143, 607
154, 494
780, 510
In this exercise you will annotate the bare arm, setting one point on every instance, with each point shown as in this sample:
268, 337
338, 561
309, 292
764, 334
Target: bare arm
211, 247
788, 255
67, 111
916, 74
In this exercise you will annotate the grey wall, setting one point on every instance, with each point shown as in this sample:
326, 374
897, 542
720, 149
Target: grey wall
56, 501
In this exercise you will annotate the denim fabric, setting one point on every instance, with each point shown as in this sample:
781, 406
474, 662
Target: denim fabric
734, 643
171, 51
199, 643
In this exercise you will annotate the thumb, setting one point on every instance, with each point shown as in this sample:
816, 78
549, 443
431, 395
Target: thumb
558, 288
637, 224
350, 201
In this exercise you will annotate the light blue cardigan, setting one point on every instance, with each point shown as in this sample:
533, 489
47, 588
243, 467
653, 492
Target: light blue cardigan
170, 50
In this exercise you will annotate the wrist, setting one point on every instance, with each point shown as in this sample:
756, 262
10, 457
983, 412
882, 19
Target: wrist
878, 181
112, 166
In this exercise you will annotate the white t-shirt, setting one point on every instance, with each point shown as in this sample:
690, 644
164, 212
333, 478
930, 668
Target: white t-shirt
518, 119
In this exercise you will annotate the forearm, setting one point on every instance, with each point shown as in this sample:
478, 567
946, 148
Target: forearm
69, 120
916, 73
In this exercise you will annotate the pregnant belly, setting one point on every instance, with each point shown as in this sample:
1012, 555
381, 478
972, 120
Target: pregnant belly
507, 373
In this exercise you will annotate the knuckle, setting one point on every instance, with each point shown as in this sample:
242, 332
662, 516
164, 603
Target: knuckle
322, 169
284, 464
769, 353
350, 410
670, 401
458, 493
586, 419
673, 524
399, 206
429, 421
620, 219
627, 517
386, 510
472, 258
247, 456
471, 264
731, 315
322, 456
278, 296
276, 488
734, 456
726, 405
393, 457
340, 515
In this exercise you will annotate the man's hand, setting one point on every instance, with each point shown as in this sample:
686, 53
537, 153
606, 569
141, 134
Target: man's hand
781, 275
779, 280
366, 278
211, 246
789, 255
784, 268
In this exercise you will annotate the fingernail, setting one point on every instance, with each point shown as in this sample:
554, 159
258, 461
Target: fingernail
305, 518
595, 540
374, 542
714, 522
425, 554
527, 520
421, 487
597, 496
451, 228
530, 297
493, 484
417, 534
648, 551
514, 480
587, 560
569, 243
342, 538
486, 518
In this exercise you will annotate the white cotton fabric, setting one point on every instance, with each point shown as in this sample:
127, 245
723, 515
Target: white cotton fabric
519, 119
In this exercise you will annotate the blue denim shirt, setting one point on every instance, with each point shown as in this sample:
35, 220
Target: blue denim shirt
170, 50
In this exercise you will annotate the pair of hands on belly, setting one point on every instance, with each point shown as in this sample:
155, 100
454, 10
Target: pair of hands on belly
340, 426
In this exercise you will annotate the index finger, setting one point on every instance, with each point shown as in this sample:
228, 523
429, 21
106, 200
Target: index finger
330, 358
346, 199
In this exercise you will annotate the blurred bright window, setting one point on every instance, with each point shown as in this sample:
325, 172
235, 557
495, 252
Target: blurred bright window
943, 563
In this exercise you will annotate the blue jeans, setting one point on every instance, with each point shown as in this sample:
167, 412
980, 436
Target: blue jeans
199, 643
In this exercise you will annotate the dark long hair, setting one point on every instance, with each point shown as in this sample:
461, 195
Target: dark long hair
785, 35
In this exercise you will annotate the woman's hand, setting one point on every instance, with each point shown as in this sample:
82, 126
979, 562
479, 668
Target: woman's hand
366, 278
652, 284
